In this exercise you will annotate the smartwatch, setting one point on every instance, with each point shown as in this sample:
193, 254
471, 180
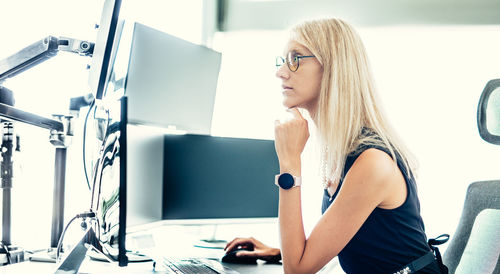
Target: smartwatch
287, 180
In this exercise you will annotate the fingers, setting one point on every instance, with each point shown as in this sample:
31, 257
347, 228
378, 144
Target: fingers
267, 255
288, 115
248, 254
296, 113
244, 242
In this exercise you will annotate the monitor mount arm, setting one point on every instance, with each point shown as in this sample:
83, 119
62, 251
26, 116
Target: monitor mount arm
61, 131
41, 51
60, 126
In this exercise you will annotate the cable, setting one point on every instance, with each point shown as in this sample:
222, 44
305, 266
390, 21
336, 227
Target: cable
84, 137
98, 163
81, 215
62, 236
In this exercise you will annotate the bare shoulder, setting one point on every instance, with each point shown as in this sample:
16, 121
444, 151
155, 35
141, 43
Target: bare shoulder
375, 163
374, 172
377, 172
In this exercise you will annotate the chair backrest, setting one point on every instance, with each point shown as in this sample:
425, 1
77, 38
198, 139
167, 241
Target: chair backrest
480, 195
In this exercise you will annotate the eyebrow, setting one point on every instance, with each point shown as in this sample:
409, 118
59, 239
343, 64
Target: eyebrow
297, 50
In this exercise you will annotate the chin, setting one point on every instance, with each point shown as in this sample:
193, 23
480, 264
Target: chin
288, 104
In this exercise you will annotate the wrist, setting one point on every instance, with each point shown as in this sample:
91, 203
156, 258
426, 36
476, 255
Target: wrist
292, 167
276, 255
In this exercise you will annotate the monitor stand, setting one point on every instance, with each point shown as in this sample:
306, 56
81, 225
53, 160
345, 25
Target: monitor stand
212, 242
44, 255
74, 259
88, 242
133, 257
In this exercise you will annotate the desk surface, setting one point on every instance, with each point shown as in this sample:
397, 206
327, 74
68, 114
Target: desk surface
177, 242
90, 266
97, 267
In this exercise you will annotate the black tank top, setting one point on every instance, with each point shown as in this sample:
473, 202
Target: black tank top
388, 239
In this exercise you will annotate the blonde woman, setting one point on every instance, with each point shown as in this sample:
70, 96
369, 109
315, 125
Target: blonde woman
371, 213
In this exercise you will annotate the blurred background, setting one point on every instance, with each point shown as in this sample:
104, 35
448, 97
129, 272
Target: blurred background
431, 60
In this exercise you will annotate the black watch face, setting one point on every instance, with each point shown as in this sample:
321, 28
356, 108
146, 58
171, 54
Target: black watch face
286, 181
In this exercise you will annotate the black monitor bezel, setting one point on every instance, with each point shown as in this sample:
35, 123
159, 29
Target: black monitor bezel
103, 66
122, 229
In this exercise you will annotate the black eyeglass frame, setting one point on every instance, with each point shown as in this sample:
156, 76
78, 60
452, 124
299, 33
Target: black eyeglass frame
280, 61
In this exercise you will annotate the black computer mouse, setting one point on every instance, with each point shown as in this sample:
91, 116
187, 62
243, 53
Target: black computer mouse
231, 257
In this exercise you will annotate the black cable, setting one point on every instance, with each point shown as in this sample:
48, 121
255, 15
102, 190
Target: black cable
97, 165
62, 236
84, 137
82, 215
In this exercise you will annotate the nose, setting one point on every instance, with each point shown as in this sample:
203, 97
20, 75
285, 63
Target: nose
283, 72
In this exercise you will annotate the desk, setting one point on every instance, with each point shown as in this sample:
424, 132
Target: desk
97, 267
170, 241
90, 266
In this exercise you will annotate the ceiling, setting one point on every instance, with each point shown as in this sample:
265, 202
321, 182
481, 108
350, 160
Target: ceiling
236, 15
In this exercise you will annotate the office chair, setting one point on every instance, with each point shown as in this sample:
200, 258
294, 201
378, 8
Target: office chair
480, 196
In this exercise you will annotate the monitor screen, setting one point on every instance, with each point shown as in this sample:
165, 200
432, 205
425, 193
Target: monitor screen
171, 82
207, 177
104, 47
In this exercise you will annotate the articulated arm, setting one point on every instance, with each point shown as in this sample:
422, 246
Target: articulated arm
40, 51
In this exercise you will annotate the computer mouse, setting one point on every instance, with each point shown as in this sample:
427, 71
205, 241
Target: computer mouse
231, 257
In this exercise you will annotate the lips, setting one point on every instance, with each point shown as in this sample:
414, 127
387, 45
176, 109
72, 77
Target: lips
286, 87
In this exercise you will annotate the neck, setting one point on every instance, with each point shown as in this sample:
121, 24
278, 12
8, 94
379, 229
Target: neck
313, 112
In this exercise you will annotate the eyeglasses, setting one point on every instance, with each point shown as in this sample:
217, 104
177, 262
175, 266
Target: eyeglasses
292, 60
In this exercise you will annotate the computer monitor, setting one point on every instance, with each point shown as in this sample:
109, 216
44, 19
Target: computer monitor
213, 179
109, 183
104, 48
170, 82
164, 172
107, 233
132, 165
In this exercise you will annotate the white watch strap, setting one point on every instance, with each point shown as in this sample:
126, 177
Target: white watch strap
297, 180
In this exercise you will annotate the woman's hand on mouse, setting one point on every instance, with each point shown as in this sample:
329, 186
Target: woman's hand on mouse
260, 250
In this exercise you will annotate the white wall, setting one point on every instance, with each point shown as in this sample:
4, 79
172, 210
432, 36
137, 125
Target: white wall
429, 79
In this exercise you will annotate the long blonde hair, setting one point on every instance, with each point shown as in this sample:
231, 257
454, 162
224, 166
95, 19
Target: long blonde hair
347, 102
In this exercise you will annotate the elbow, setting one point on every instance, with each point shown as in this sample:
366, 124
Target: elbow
296, 268
296, 271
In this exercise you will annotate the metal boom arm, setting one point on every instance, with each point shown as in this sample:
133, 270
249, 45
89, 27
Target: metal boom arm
40, 51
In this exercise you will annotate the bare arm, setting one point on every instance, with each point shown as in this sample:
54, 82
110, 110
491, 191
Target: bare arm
370, 182
367, 185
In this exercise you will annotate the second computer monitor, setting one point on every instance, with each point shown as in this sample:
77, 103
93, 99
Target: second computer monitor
214, 178
171, 82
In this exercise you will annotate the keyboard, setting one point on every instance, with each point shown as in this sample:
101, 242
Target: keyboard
191, 265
